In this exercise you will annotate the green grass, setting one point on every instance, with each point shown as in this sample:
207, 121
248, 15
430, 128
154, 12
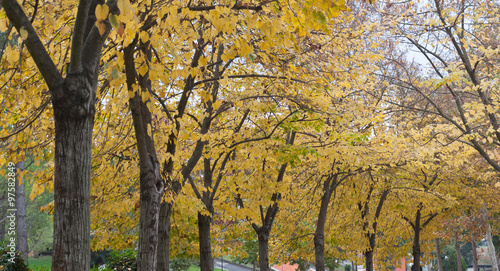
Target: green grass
44, 264
41, 263
197, 268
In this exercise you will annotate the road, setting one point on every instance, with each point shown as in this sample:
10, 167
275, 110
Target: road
229, 266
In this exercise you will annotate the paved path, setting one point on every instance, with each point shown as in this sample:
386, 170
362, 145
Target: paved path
230, 266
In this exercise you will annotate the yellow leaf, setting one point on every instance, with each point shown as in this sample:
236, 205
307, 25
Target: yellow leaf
101, 12
144, 36
24, 33
4, 24
101, 26
143, 69
145, 96
64, 30
126, 10
203, 61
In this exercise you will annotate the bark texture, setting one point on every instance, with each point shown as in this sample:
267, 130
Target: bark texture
474, 253
151, 182
74, 121
329, 185
22, 234
73, 100
164, 237
206, 259
263, 238
416, 252
438, 255
459, 254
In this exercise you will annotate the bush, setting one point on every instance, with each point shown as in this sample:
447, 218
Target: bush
178, 264
123, 260
347, 268
11, 260
99, 257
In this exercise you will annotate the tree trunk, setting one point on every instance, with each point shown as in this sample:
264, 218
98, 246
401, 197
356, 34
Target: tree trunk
491, 249
151, 182
74, 121
459, 254
474, 253
22, 234
73, 100
164, 237
369, 259
416, 243
263, 238
206, 259
438, 255
263, 232
319, 235
373, 235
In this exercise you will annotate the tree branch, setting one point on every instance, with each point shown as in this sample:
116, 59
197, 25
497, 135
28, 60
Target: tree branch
82, 14
38, 52
249, 76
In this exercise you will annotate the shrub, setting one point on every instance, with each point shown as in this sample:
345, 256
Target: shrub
99, 257
11, 260
178, 264
123, 260
347, 268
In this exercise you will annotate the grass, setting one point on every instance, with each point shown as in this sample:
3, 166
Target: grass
44, 263
41, 263
197, 268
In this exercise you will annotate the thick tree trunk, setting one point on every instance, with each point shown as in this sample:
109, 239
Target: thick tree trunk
206, 259
22, 234
72, 194
164, 237
263, 239
491, 249
459, 254
74, 121
438, 255
73, 100
474, 253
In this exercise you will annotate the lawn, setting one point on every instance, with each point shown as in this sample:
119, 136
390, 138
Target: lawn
41, 263
44, 263
197, 268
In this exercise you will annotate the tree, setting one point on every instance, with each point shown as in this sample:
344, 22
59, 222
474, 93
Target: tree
73, 98
453, 86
